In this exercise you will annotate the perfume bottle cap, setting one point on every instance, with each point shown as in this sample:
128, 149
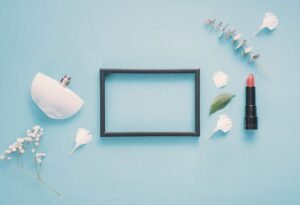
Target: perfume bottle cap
65, 81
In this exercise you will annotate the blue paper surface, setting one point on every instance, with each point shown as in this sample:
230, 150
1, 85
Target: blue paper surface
78, 37
150, 102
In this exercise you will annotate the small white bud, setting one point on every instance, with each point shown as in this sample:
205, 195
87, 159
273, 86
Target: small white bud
20, 140
7, 152
40, 154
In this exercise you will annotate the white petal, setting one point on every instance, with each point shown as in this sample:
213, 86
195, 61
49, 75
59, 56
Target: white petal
83, 137
270, 21
224, 123
220, 79
248, 50
237, 37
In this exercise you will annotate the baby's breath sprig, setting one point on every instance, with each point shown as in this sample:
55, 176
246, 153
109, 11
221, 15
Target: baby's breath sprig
32, 140
237, 41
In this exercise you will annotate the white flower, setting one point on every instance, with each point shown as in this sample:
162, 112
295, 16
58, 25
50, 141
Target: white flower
39, 157
33, 136
224, 124
220, 79
83, 137
270, 22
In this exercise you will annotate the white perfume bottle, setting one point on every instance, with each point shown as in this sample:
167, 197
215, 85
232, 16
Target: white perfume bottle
54, 98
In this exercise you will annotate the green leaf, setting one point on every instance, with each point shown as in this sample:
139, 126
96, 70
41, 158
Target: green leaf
220, 102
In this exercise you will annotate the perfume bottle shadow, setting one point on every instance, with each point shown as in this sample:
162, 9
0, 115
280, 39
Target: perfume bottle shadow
42, 118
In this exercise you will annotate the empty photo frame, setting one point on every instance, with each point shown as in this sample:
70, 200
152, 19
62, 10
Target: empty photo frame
143, 102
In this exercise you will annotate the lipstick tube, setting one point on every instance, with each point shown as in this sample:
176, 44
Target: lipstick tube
251, 121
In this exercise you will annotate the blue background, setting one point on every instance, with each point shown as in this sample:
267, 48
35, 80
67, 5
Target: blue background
77, 37
150, 102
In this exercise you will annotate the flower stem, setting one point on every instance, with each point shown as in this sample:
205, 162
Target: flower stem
38, 178
37, 169
74, 148
50, 187
23, 171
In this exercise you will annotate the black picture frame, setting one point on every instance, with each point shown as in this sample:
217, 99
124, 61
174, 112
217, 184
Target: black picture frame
105, 71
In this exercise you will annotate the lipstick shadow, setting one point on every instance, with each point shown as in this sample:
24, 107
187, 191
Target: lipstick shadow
251, 121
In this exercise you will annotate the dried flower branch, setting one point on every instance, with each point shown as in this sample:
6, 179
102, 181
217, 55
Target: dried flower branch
32, 140
237, 41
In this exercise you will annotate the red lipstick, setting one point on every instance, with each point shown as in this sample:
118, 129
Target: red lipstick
250, 81
251, 121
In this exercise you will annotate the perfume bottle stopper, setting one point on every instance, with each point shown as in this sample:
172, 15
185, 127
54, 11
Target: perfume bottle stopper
65, 81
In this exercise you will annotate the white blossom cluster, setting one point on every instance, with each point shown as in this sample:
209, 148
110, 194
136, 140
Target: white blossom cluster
39, 157
31, 140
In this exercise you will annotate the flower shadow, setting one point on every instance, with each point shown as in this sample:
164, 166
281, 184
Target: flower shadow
218, 135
